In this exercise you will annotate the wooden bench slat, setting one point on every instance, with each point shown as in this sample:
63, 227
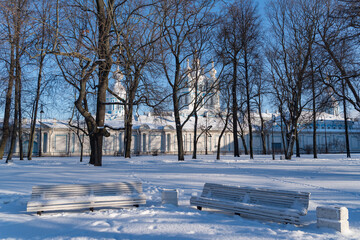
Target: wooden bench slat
84, 205
251, 211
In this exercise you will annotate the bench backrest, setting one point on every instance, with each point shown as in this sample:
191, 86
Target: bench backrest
276, 198
77, 190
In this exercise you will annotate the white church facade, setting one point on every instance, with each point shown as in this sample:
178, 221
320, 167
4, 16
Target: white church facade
157, 135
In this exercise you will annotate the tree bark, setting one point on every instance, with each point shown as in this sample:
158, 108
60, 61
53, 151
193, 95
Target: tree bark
104, 14
195, 131
243, 140
262, 128
235, 109
347, 142
314, 109
221, 134
6, 125
247, 82
18, 76
35, 108
297, 144
16, 117
129, 108
127, 137
179, 138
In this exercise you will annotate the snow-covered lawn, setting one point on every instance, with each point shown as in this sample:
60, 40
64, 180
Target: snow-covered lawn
331, 179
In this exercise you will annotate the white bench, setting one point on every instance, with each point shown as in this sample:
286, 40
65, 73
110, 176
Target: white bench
264, 204
83, 196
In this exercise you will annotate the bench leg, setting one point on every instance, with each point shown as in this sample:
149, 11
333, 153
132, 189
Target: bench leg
199, 208
92, 209
136, 205
39, 213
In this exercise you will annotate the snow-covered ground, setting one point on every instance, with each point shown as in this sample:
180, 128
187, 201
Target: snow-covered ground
331, 179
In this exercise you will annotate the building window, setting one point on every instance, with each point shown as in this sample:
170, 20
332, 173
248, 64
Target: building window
45, 143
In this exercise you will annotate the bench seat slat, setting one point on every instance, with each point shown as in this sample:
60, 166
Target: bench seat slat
251, 211
86, 205
85, 199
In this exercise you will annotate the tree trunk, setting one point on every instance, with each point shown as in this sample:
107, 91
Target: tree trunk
18, 76
219, 142
248, 106
16, 120
179, 138
128, 129
178, 125
262, 127
283, 135
127, 137
129, 108
291, 136
35, 109
235, 110
92, 146
221, 134
243, 140
348, 155
98, 142
6, 127
104, 12
100, 118
81, 151
297, 144
195, 133
13, 140
313, 108
315, 128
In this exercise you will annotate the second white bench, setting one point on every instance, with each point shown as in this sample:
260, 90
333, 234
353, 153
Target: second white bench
264, 204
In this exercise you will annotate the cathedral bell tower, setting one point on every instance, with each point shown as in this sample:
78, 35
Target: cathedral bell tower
206, 90
115, 110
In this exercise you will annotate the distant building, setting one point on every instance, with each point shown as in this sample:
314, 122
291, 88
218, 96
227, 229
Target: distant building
157, 135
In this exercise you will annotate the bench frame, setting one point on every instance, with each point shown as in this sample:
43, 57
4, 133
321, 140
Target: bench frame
256, 203
85, 196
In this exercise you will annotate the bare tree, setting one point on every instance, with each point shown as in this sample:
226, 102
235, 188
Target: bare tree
229, 40
15, 15
180, 19
260, 93
87, 40
78, 127
137, 40
40, 43
11, 66
339, 31
249, 29
204, 88
225, 90
293, 26
336, 38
